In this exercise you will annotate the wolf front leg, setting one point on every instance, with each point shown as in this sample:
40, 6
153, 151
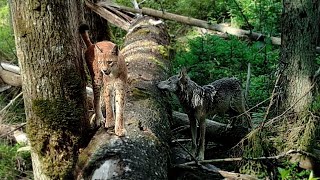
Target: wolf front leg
201, 149
193, 127
120, 94
108, 101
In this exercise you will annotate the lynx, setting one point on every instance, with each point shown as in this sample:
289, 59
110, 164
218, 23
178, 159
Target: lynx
221, 96
107, 67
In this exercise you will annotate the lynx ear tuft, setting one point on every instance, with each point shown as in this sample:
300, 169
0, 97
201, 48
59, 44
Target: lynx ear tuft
115, 50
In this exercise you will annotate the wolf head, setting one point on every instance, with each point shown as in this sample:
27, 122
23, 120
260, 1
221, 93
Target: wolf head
174, 82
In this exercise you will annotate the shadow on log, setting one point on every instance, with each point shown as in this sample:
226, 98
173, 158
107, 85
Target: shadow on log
143, 153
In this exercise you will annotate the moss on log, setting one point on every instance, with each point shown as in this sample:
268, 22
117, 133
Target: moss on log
143, 153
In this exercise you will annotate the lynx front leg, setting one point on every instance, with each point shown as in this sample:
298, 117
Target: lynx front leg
109, 110
97, 104
119, 106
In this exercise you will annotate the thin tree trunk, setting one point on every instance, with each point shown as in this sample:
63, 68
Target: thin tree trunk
47, 44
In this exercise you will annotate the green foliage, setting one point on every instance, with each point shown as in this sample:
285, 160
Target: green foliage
14, 165
209, 58
264, 15
291, 171
7, 44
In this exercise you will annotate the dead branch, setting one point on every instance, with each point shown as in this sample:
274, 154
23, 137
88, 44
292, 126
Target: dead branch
109, 16
215, 131
282, 155
214, 170
11, 129
199, 23
10, 103
246, 93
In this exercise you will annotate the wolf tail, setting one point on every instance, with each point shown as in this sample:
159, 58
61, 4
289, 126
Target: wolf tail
83, 30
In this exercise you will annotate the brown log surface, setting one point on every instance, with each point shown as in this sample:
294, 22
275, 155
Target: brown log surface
143, 153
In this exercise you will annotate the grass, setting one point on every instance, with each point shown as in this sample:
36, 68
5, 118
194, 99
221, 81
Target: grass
13, 164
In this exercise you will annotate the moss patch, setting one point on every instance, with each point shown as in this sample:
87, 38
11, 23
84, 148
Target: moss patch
58, 114
54, 133
139, 94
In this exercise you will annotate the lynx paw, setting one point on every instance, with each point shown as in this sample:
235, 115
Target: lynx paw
109, 124
96, 121
120, 132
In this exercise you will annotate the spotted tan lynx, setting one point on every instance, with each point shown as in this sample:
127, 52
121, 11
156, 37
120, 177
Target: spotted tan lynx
107, 67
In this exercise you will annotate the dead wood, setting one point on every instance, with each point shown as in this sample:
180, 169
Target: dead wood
10, 74
143, 153
254, 36
112, 17
13, 134
215, 131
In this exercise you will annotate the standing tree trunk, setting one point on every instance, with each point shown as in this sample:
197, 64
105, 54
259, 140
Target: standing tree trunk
47, 42
299, 35
298, 53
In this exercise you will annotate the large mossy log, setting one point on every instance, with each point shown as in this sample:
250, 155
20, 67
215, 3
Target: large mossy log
143, 152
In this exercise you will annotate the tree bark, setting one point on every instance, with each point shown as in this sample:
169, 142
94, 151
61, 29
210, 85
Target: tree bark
297, 65
47, 43
143, 153
299, 34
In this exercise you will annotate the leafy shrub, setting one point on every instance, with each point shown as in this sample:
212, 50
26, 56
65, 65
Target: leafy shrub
209, 58
7, 45
291, 171
14, 165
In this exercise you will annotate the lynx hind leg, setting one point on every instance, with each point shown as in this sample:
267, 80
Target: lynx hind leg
119, 106
97, 104
109, 106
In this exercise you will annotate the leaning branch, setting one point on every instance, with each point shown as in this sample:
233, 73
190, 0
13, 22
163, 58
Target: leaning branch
199, 23
109, 16
196, 22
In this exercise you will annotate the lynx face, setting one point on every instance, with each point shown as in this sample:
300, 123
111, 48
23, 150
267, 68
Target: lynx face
107, 66
107, 62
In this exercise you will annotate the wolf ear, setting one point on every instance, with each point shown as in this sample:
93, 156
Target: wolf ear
183, 74
115, 50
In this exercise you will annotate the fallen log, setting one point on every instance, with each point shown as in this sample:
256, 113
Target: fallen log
143, 153
10, 74
215, 131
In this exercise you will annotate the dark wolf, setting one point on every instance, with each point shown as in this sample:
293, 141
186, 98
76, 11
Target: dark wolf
219, 97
